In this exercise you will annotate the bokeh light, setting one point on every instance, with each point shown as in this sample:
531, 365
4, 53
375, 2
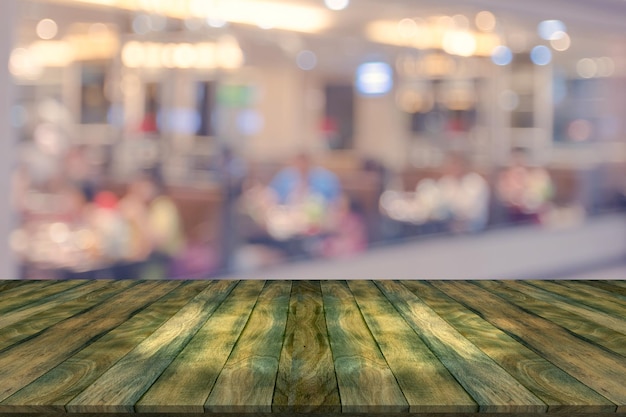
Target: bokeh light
485, 21
550, 29
374, 78
502, 55
587, 68
47, 29
306, 60
336, 4
561, 41
541, 55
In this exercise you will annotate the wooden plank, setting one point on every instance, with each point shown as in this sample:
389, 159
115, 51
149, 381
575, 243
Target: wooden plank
25, 329
119, 388
185, 385
53, 390
606, 286
494, 389
246, 383
607, 374
9, 284
366, 384
425, 382
552, 385
599, 300
592, 314
617, 283
31, 292
50, 302
309, 384
27, 361
284, 384
583, 328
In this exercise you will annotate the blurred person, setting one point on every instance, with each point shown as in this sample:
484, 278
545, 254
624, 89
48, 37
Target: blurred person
524, 191
464, 196
155, 223
349, 234
301, 181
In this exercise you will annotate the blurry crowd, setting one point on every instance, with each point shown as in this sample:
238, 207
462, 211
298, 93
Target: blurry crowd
76, 225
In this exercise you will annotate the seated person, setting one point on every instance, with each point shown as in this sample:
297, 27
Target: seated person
464, 196
524, 191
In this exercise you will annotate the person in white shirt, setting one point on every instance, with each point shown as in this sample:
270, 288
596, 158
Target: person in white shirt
464, 196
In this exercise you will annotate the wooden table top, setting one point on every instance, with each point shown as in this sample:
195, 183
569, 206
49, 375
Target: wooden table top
346, 347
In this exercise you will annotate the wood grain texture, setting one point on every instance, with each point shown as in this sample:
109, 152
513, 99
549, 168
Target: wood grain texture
179, 348
246, 383
427, 385
311, 382
580, 326
27, 361
186, 383
9, 284
597, 316
119, 388
52, 301
22, 296
37, 323
53, 390
366, 384
497, 391
561, 392
605, 303
606, 286
284, 388
607, 375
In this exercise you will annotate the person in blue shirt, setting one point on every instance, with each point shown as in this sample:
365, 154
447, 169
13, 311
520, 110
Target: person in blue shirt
301, 181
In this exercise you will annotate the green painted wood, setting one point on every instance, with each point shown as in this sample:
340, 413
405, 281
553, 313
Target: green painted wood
37, 290
53, 390
606, 375
37, 323
605, 303
186, 383
311, 383
583, 328
246, 383
119, 388
27, 361
50, 302
617, 283
552, 385
592, 314
366, 384
494, 389
425, 382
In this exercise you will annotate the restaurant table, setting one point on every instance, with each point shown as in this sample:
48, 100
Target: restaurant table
314, 347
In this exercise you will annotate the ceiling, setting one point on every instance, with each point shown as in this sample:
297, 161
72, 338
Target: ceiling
596, 27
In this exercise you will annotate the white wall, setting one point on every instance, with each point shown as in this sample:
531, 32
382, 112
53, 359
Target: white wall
7, 19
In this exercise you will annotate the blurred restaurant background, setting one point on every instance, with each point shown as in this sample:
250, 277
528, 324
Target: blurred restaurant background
320, 139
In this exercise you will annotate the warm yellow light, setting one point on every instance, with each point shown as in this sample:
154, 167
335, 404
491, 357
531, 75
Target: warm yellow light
133, 54
184, 55
266, 14
229, 55
53, 53
281, 15
24, 64
205, 56
432, 35
460, 43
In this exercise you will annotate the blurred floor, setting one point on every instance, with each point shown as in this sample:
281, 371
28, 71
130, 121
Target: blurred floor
594, 250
